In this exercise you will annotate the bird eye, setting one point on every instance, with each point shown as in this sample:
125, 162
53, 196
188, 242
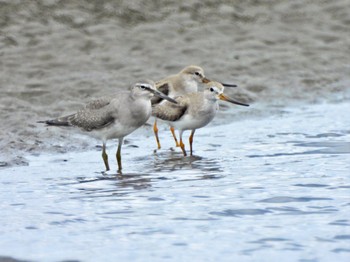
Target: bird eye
197, 73
143, 87
211, 89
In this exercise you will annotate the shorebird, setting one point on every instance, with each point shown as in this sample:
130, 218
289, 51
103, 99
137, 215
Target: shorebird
193, 110
114, 116
186, 81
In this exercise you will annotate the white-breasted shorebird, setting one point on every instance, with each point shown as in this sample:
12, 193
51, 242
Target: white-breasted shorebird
193, 110
186, 81
114, 116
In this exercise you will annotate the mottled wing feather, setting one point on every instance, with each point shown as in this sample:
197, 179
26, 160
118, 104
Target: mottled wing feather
90, 119
171, 112
98, 103
164, 88
95, 115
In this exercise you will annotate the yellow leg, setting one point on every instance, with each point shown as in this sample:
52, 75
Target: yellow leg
119, 157
105, 156
182, 145
172, 129
191, 140
155, 130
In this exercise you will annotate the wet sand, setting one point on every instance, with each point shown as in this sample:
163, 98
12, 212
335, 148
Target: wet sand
56, 55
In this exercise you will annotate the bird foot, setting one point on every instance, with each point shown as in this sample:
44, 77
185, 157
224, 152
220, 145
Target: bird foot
107, 172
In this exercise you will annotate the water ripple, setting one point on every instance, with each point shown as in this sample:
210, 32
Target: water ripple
342, 237
240, 212
311, 185
285, 199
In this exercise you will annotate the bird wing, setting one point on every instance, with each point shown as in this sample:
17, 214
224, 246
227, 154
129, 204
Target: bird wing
98, 103
170, 111
162, 87
95, 115
90, 119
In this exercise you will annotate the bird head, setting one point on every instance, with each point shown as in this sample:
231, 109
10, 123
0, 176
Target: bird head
215, 91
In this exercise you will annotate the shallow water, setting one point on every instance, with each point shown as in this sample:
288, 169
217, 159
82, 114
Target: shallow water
264, 189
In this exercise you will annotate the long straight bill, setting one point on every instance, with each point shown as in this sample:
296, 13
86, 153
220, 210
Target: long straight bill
229, 99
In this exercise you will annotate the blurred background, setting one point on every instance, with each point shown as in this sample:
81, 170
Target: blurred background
57, 54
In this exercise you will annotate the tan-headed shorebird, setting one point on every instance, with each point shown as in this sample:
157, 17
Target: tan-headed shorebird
193, 110
114, 116
186, 81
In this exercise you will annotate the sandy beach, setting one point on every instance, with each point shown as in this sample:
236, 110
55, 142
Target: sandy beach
57, 55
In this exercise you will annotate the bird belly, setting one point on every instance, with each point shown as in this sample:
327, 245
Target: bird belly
128, 122
189, 122
112, 131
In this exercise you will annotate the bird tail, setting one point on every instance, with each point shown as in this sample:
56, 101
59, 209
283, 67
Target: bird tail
61, 121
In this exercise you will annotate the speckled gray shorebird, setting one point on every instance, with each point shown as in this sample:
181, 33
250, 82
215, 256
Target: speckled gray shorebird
193, 110
114, 116
186, 81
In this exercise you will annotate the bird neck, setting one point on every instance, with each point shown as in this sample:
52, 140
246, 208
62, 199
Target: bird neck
189, 85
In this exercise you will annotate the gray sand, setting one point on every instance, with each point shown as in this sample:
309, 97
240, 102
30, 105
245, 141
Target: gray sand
56, 55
